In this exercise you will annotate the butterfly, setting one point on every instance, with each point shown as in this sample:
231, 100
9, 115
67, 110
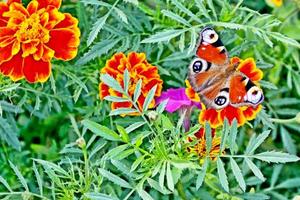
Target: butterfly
216, 79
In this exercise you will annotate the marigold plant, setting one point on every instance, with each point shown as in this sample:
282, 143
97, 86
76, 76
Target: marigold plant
139, 69
31, 36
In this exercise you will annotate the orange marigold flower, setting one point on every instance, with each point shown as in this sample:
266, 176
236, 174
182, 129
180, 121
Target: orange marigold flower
30, 37
200, 147
139, 69
241, 114
274, 3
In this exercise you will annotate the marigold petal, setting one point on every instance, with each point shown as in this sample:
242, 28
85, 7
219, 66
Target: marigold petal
48, 53
16, 10
211, 116
64, 42
13, 67
13, 1
112, 65
28, 49
3, 8
250, 112
54, 17
32, 7
36, 71
69, 22
6, 52
135, 58
103, 90
232, 113
248, 67
46, 3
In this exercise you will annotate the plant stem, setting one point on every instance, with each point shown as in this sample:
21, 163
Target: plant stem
180, 190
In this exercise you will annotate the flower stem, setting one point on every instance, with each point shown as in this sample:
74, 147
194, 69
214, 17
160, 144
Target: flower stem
180, 190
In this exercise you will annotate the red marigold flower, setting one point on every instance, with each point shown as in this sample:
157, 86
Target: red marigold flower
139, 69
241, 114
200, 146
30, 37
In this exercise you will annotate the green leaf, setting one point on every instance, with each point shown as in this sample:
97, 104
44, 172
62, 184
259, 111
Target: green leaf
257, 142
99, 196
161, 107
117, 150
284, 39
137, 91
238, 174
115, 99
276, 172
186, 11
114, 178
222, 174
126, 80
154, 184
287, 140
121, 14
122, 111
97, 50
134, 126
208, 137
144, 195
256, 171
201, 175
96, 29
111, 82
170, 181
175, 17
232, 137
163, 36
123, 133
19, 175
97, 147
9, 87
212, 8
290, 183
149, 98
38, 178
162, 175
194, 35
100, 130
123, 154
224, 136
277, 157
134, 2
8, 134
136, 163
4, 182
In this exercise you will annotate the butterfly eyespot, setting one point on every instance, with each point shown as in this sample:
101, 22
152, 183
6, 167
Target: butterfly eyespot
197, 66
210, 36
254, 95
222, 100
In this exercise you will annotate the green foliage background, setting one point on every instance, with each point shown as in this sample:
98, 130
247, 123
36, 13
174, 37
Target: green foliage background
59, 141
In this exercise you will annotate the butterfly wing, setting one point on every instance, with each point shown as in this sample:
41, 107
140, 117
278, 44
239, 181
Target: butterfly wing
243, 92
211, 48
216, 81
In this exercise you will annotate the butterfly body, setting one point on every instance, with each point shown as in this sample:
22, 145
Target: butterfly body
218, 81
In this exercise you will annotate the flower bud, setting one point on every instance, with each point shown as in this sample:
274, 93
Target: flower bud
152, 115
80, 142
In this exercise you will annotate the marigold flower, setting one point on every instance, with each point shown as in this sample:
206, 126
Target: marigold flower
30, 37
139, 69
274, 3
200, 147
241, 114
